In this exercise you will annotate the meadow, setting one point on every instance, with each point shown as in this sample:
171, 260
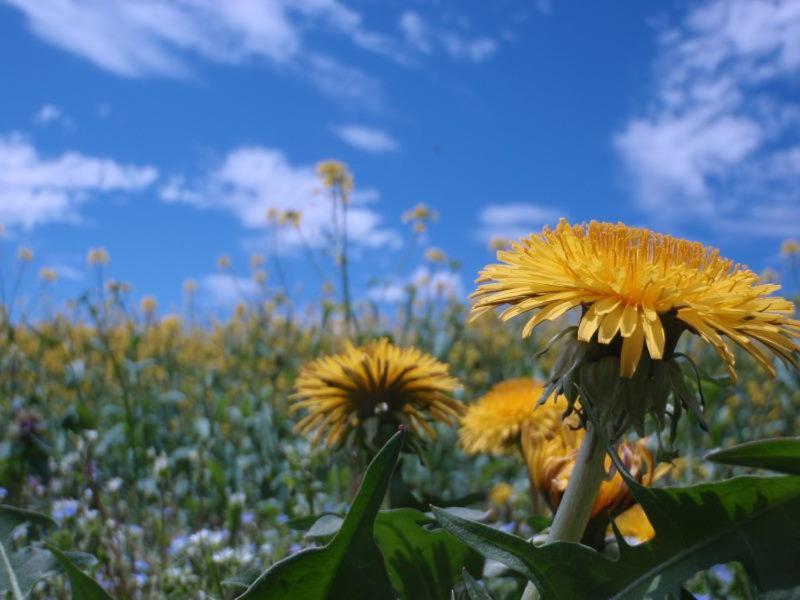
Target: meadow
166, 446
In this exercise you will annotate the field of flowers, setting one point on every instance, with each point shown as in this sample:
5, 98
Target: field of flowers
187, 454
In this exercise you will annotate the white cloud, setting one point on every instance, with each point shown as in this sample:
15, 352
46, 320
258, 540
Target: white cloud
368, 139
429, 284
515, 221
251, 180
226, 290
713, 142
161, 37
424, 37
36, 190
49, 114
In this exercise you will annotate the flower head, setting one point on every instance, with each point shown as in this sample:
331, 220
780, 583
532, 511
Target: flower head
790, 247
97, 256
334, 173
551, 463
48, 275
639, 289
499, 421
149, 305
25, 254
378, 382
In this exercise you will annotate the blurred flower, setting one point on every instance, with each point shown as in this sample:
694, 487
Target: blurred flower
189, 286
378, 381
25, 254
498, 421
790, 247
48, 275
644, 286
65, 509
419, 217
769, 276
256, 261
291, 217
97, 256
260, 276
334, 173
224, 262
149, 305
501, 494
497, 244
434, 255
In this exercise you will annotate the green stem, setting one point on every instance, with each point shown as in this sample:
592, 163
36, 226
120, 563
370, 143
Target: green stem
576, 505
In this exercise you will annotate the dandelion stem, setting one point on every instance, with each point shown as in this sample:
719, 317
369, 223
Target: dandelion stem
576, 505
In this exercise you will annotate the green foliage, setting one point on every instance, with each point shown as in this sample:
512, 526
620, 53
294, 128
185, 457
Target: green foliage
21, 569
782, 455
350, 565
83, 586
751, 520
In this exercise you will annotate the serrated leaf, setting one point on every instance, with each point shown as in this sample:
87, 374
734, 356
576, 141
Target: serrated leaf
350, 565
782, 455
752, 520
423, 564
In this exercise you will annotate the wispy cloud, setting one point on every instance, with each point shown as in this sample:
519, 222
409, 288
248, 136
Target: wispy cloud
428, 284
515, 220
225, 290
163, 38
36, 190
425, 38
368, 139
49, 114
250, 180
720, 138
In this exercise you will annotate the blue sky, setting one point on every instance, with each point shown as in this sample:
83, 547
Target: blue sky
163, 130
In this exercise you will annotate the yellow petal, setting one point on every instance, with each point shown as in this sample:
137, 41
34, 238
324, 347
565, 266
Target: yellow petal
654, 334
631, 351
610, 325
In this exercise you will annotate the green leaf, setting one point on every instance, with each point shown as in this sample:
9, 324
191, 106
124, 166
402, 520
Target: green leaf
474, 589
782, 454
20, 570
83, 586
422, 564
752, 520
351, 565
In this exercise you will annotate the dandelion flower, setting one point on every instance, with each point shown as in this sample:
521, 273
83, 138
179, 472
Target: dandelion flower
48, 275
639, 289
497, 422
25, 254
224, 262
149, 305
378, 382
334, 173
790, 247
190, 286
97, 256
435, 255
551, 464
501, 494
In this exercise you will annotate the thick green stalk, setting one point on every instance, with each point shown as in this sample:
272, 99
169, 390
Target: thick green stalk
576, 505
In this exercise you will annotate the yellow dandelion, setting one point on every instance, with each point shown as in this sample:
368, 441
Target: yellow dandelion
97, 256
501, 494
551, 464
334, 173
224, 262
496, 423
633, 523
790, 247
149, 305
642, 288
380, 382
25, 254
48, 275
435, 255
